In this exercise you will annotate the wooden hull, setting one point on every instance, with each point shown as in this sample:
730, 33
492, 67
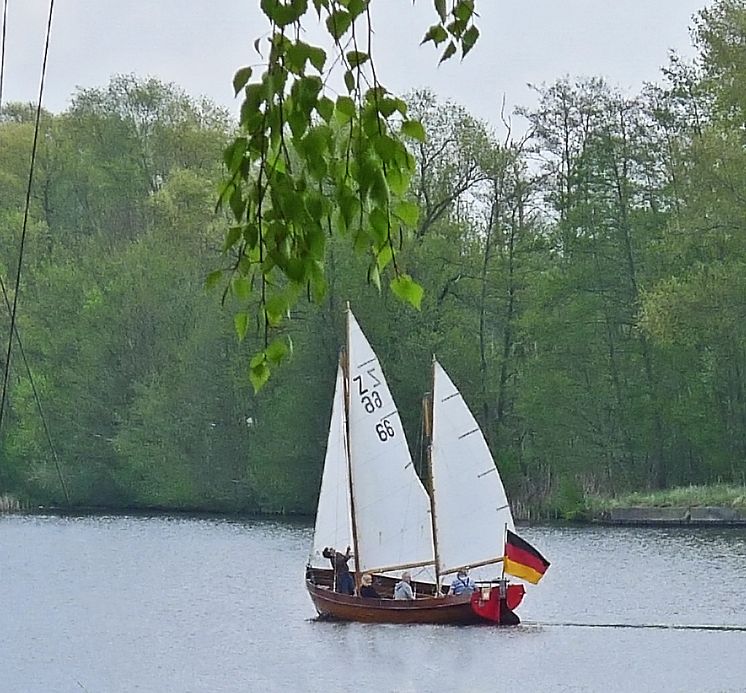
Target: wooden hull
456, 610
422, 610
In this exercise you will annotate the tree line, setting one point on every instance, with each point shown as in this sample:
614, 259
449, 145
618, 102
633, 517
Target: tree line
584, 286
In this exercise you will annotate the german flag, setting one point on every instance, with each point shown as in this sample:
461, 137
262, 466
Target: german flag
523, 560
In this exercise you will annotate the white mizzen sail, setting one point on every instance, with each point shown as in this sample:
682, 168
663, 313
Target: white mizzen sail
471, 508
333, 517
392, 508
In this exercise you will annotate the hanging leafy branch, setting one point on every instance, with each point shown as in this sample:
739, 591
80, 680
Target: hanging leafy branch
309, 162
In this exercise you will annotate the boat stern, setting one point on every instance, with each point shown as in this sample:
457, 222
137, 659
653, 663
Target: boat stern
496, 603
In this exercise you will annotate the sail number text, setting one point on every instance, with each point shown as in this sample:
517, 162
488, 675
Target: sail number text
385, 430
371, 400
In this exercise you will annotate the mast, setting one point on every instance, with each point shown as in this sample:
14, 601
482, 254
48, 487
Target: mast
427, 408
345, 361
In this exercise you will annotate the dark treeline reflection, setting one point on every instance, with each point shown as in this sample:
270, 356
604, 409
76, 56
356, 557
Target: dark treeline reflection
584, 287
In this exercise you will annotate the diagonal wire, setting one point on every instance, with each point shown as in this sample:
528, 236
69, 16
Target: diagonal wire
57, 464
2, 50
5, 293
25, 214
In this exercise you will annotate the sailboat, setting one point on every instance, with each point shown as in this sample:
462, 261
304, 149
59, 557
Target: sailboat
373, 501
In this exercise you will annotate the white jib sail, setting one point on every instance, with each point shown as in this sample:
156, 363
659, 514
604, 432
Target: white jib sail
392, 508
471, 508
333, 517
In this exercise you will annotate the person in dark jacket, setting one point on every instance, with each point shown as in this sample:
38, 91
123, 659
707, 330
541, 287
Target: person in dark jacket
367, 590
344, 583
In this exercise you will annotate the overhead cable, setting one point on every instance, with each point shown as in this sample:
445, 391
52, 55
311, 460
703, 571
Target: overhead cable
34, 146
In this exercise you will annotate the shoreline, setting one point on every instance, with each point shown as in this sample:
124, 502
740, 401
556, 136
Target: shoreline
633, 516
687, 516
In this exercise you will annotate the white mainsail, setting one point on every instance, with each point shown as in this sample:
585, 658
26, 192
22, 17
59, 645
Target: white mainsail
333, 518
392, 508
471, 508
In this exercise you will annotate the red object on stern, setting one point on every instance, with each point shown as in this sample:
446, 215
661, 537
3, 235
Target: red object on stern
514, 596
487, 604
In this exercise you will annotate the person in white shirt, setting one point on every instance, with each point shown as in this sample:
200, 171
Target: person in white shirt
403, 588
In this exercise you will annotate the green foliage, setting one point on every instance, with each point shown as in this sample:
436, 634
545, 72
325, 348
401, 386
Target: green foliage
591, 312
720, 32
712, 495
407, 290
568, 501
305, 166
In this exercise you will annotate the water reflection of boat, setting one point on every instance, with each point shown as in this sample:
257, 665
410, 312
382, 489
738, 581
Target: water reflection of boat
372, 500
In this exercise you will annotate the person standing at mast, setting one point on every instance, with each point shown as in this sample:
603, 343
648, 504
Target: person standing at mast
344, 583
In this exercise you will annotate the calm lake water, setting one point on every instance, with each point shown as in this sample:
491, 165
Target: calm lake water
110, 604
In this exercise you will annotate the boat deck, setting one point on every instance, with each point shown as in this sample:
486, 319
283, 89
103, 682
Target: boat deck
324, 577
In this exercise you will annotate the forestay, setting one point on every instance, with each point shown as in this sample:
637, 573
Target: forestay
471, 508
392, 508
333, 517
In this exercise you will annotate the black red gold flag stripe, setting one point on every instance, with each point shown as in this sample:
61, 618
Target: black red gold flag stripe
523, 560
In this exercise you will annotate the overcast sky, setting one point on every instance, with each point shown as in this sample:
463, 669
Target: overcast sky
199, 44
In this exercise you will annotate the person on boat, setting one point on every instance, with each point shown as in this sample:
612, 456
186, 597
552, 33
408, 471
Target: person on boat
403, 588
367, 590
462, 584
344, 583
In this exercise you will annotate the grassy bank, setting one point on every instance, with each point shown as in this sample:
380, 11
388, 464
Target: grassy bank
720, 495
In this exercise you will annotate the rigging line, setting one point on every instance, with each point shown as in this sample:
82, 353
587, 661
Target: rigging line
2, 50
25, 215
57, 464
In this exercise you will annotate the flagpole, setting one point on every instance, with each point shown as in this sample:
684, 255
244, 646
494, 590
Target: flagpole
505, 544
